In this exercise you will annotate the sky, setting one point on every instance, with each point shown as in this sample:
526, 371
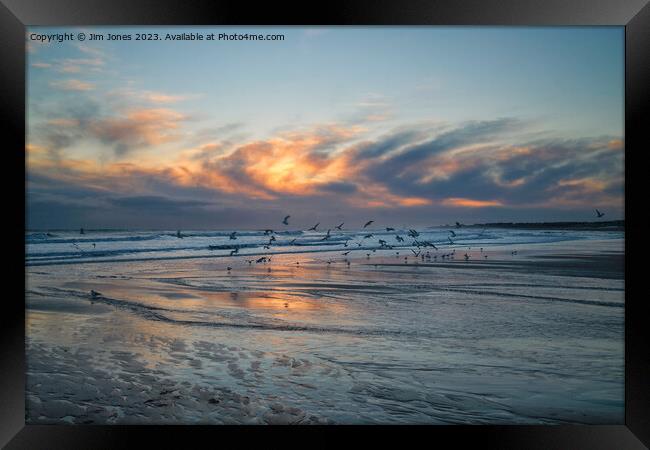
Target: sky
413, 126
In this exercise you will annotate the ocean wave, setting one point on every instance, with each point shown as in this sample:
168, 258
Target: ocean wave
42, 248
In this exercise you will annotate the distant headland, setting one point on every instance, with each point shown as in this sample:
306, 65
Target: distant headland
607, 225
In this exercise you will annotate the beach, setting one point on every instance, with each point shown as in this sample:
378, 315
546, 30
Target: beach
177, 331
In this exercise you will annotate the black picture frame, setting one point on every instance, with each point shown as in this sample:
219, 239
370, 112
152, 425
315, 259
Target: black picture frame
15, 15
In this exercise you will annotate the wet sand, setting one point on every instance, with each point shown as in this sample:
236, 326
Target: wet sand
535, 337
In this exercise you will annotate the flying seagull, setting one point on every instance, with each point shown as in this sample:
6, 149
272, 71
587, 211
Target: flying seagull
599, 214
232, 235
452, 233
285, 220
314, 227
413, 233
292, 241
390, 229
368, 223
458, 224
367, 236
338, 227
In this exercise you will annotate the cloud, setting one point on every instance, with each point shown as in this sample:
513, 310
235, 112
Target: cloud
159, 97
338, 187
77, 65
138, 128
470, 203
473, 166
149, 203
73, 85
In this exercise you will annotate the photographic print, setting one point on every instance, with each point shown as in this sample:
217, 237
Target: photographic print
325, 225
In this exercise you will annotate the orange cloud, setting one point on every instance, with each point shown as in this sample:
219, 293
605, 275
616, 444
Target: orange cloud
585, 184
615, 144
73, 85
63, 122
159, 97
470, 203
288, 164
153, 126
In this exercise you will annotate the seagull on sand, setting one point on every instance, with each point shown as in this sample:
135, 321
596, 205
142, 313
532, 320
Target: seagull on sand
81, 231
599, 214
338, 227
285, 220
399, 238
314, 227
368, 223
95, 293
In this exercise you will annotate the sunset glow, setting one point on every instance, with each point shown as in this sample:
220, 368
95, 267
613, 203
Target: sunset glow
101, 129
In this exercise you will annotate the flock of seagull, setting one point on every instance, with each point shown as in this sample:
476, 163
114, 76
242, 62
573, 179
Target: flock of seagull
421, 245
